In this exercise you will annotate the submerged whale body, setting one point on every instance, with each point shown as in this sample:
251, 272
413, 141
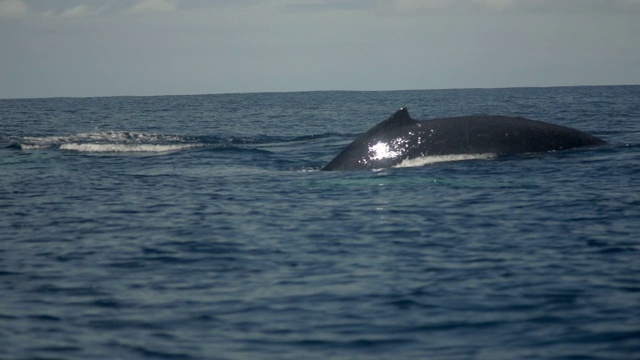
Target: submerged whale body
400, 138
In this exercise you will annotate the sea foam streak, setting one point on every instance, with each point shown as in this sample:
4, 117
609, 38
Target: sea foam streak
426, 160
112, 141
103, 148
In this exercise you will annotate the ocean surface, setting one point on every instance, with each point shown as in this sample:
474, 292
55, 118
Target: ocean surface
199, 227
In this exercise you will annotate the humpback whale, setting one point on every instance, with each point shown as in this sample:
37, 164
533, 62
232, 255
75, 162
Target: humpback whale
401, 138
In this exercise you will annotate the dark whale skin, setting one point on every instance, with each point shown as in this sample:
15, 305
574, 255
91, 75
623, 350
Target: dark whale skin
401, 138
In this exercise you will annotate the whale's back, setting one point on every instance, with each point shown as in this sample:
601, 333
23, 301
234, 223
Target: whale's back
400, 138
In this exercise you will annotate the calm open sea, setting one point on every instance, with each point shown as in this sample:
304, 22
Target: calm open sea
198, 227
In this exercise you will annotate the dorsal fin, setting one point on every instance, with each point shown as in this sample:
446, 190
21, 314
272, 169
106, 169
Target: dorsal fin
398, 119
401, 117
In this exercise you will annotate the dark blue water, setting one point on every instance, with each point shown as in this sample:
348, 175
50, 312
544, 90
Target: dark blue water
198, 227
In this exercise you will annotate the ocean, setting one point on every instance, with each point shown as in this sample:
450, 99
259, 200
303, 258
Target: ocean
200, 227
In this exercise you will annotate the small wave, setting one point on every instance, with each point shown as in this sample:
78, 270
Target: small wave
21, 146
105, 148
426, 160
319, 136
111, 141
107, 136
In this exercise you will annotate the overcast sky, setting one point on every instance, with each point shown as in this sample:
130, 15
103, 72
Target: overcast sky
159, 47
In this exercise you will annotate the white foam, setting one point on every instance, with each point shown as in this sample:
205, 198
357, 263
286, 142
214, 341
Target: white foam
33, 146
426, 160
105, 148
111, 141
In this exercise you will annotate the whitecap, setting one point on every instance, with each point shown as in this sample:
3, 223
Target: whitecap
111, 141
106, 148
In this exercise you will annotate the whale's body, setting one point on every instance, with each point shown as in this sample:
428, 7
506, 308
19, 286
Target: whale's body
401, 138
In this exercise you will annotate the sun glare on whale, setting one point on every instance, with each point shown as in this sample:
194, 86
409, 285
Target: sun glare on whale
385, 150
381, 150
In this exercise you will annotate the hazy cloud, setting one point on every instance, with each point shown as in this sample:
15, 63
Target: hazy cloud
12, 8
153, 6
20, 8
314, 5
498, 6
78, 8
96, 47
77, 11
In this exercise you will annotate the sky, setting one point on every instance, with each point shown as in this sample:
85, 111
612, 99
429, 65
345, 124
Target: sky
85, 48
